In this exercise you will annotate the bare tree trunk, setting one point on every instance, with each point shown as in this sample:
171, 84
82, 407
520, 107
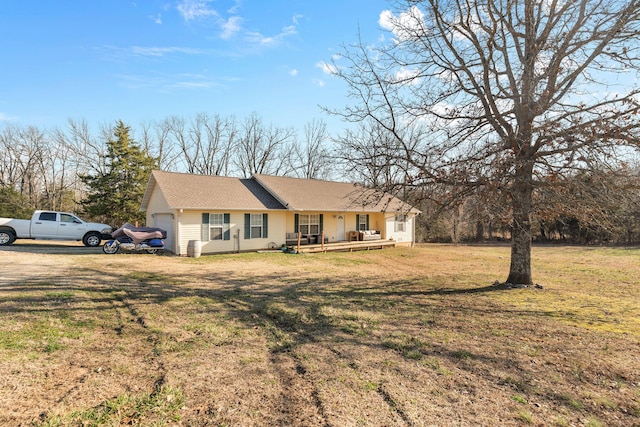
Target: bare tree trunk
521, 234
479, 230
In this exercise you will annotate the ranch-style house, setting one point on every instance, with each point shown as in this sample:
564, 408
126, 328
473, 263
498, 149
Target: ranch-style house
225, 214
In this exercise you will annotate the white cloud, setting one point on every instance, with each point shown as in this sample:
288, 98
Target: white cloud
236, 6
406, 74
115, 53
319, 82
194, 9
162, 51
386, 20
6, 118
231, 27
327, 68
273, 40
194, 85
157, 18
200, 9
165, 83
293, 72
405, 24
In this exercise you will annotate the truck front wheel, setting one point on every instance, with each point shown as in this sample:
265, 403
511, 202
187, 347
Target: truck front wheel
6, 237
92, 240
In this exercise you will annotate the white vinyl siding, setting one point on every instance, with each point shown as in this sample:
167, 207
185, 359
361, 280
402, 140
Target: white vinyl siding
399, 227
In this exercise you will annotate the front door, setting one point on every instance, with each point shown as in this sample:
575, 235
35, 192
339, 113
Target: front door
70, 227
340, 236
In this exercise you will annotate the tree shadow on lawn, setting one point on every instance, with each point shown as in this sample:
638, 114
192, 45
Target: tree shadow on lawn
284, 305
290, 303
158, 288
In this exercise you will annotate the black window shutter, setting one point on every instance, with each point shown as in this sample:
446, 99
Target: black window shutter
227, 227
265, 225
204, 235
357, 222
367, 219
321, 223
247, 226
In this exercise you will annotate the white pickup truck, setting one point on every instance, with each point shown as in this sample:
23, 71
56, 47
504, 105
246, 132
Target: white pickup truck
51, 225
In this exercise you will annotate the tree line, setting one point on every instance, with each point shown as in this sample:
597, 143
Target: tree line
103, 175
76, 168
589, 208
599, 204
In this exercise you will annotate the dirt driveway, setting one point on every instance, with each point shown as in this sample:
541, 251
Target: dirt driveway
50, 247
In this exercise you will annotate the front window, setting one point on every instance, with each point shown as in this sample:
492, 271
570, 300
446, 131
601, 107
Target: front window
400, 222
362, 222
309, 224
216, 226
256, 226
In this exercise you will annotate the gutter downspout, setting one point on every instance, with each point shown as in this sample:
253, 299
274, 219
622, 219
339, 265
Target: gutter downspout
177, 234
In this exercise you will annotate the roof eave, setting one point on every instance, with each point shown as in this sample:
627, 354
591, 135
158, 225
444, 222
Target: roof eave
151, 185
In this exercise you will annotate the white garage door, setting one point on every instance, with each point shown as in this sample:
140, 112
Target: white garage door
165, 221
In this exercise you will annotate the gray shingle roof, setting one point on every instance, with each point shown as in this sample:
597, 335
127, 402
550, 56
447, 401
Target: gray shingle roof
316, 195
264, 192
188, 191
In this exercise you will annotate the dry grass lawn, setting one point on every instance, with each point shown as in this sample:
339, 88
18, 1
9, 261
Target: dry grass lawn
401, 337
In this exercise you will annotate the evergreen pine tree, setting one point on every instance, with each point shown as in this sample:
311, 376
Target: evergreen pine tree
115, 196
14, 204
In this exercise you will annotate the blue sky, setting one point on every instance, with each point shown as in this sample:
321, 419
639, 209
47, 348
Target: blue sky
146, 60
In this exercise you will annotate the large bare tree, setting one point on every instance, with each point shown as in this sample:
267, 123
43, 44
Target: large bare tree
508, 91
24, 153
310, 157
205, 143
261, 149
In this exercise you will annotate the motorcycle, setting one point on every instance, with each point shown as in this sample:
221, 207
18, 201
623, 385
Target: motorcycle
131, 238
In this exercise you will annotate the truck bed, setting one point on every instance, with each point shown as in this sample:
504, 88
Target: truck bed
22, 227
